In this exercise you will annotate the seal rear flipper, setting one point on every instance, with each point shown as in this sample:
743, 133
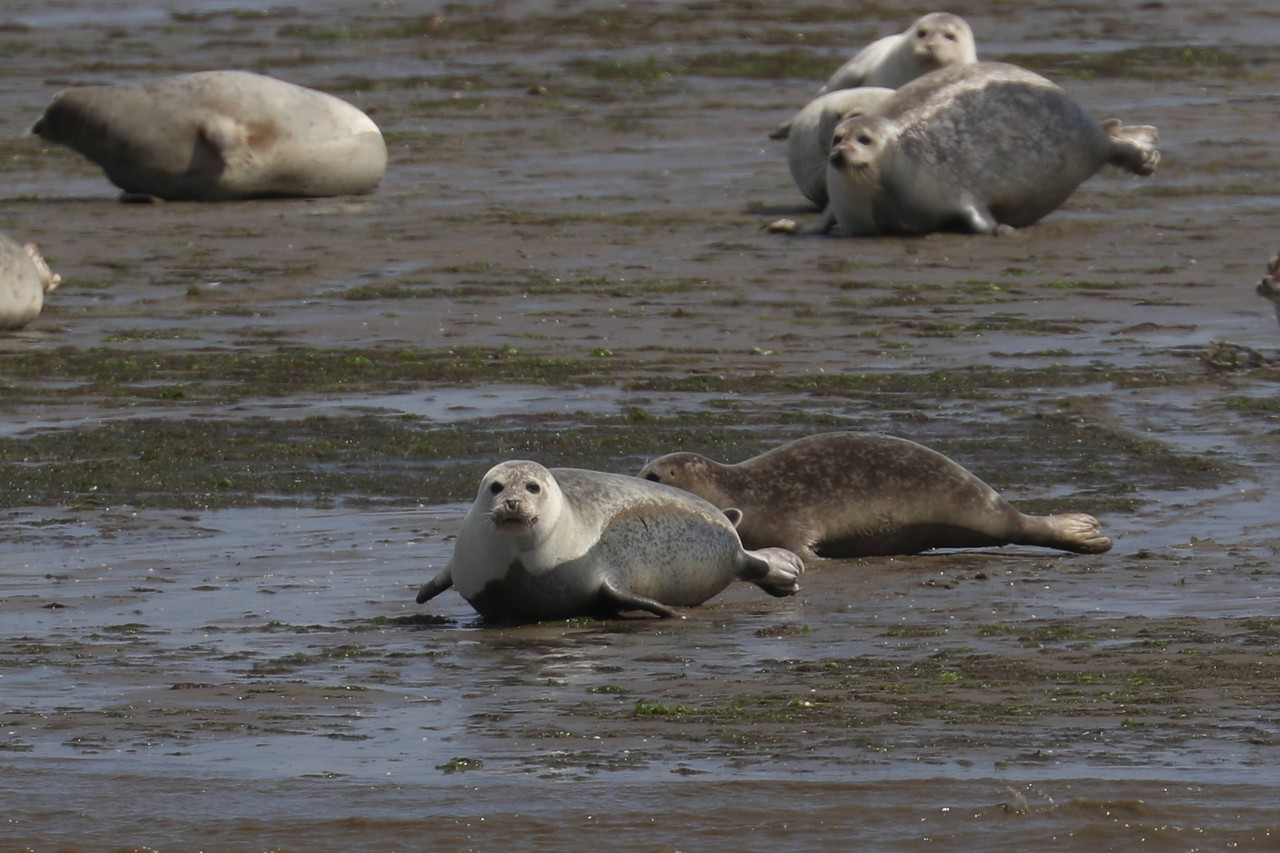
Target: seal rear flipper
623, 600
775, 570
1079, 533
435, 586
1133, 147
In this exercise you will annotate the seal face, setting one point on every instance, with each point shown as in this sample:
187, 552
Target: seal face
543, 543
24, 280
895, 497
983, 148
810, 132
219, 135
937, 40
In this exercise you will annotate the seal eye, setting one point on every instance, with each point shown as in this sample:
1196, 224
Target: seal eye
532, 488
921, 33
495, 488
865, 139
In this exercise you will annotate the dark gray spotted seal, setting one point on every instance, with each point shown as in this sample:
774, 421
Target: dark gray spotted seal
544, 543
219, 135
853, 494
24, 280
981, 148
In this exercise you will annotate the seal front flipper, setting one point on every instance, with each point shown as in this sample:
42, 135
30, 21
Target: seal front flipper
435, 586
976, 218
226, 142
623, 600
789, 226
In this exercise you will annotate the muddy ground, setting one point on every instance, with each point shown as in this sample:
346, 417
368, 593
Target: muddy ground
240, 435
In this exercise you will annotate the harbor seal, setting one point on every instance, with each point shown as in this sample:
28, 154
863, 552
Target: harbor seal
219, 135
855, 494
810, 132
544, 543
24, 280
982, 148
1269, 287
934, 41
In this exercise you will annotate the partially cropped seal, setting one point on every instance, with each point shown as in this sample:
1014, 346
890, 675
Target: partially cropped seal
1269, 287
854, 494
982, 148
24, 280
809, 135
544, 543
934, 41
219, 135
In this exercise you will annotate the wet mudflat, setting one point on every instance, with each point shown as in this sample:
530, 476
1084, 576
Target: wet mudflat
241, 435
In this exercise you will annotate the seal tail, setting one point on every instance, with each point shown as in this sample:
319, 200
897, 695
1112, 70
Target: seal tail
1133, 147
775, 570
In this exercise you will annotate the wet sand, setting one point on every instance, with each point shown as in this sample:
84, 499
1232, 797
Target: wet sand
241, 435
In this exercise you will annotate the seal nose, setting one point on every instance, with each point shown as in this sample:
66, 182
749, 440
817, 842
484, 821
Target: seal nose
511, 504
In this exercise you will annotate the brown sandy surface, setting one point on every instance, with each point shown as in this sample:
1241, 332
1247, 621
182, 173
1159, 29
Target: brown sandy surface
241, 435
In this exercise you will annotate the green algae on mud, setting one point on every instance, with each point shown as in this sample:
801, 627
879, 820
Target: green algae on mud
209, 462
231, 375
145, 373
1149, 62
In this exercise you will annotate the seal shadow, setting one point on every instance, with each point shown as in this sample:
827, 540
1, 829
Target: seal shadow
781, 210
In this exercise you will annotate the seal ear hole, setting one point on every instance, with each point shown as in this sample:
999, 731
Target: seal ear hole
532, 488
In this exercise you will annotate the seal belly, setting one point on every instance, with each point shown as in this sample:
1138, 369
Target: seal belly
669, 554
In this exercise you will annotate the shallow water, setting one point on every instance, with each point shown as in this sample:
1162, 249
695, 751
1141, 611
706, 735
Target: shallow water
254, 674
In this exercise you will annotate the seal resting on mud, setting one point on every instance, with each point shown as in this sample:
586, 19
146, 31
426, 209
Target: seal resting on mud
1269, 287
981, 148
856, 494
544, 543
934, 41
937, 40
219, 135
810, 132
24, 280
